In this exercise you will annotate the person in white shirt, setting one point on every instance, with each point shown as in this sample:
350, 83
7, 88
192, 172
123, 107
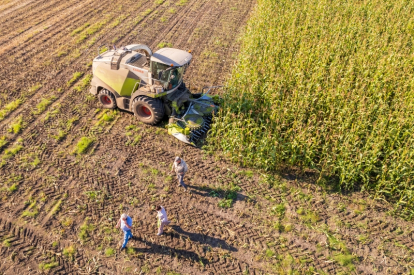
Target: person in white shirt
162, 219
180, 168
125, 222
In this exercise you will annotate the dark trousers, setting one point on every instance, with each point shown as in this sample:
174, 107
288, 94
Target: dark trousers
181, 180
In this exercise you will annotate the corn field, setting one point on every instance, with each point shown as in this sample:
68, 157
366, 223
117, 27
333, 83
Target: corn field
326, 85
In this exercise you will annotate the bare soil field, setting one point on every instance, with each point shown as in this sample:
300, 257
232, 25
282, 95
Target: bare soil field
59, 205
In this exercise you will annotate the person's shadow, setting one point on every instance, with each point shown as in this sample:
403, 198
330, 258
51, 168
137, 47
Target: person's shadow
165, 250
177, 233
203, 239
207, 192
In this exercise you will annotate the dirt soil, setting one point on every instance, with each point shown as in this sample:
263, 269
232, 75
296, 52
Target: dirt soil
58, 208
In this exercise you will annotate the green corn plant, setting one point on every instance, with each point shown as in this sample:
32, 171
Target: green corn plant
326, 85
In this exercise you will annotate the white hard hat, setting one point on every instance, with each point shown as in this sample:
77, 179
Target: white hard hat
177, 159
124, 216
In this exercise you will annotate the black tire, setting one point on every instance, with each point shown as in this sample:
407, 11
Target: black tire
148, 110
107, 99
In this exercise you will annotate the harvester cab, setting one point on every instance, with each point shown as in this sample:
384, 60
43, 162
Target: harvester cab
151, 86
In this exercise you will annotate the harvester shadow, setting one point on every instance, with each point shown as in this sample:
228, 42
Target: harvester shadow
309, 178
202, 239
165, 250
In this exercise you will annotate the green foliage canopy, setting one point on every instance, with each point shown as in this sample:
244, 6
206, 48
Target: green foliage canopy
327, 85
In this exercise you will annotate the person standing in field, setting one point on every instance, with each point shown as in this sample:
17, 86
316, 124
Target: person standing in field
180, 168
125, 222
162, 219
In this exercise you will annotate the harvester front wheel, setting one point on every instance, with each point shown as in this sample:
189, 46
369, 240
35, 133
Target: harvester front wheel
107, 99
148, 110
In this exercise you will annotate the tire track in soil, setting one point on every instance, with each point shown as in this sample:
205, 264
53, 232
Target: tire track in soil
120, 191
117, 190
166, 157
251, 237
146, 233
324, 215
322, 262
215, 263
27, 243
76, 175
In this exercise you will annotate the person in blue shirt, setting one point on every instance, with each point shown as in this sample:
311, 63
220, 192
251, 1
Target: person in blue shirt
125, 222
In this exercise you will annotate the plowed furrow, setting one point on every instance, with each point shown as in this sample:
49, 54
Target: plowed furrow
32, 16
56, 30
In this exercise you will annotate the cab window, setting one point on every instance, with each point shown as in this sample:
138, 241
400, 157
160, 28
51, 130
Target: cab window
157, 69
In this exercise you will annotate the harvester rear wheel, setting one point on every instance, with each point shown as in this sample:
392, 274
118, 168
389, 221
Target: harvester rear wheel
148, 110
107, 99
